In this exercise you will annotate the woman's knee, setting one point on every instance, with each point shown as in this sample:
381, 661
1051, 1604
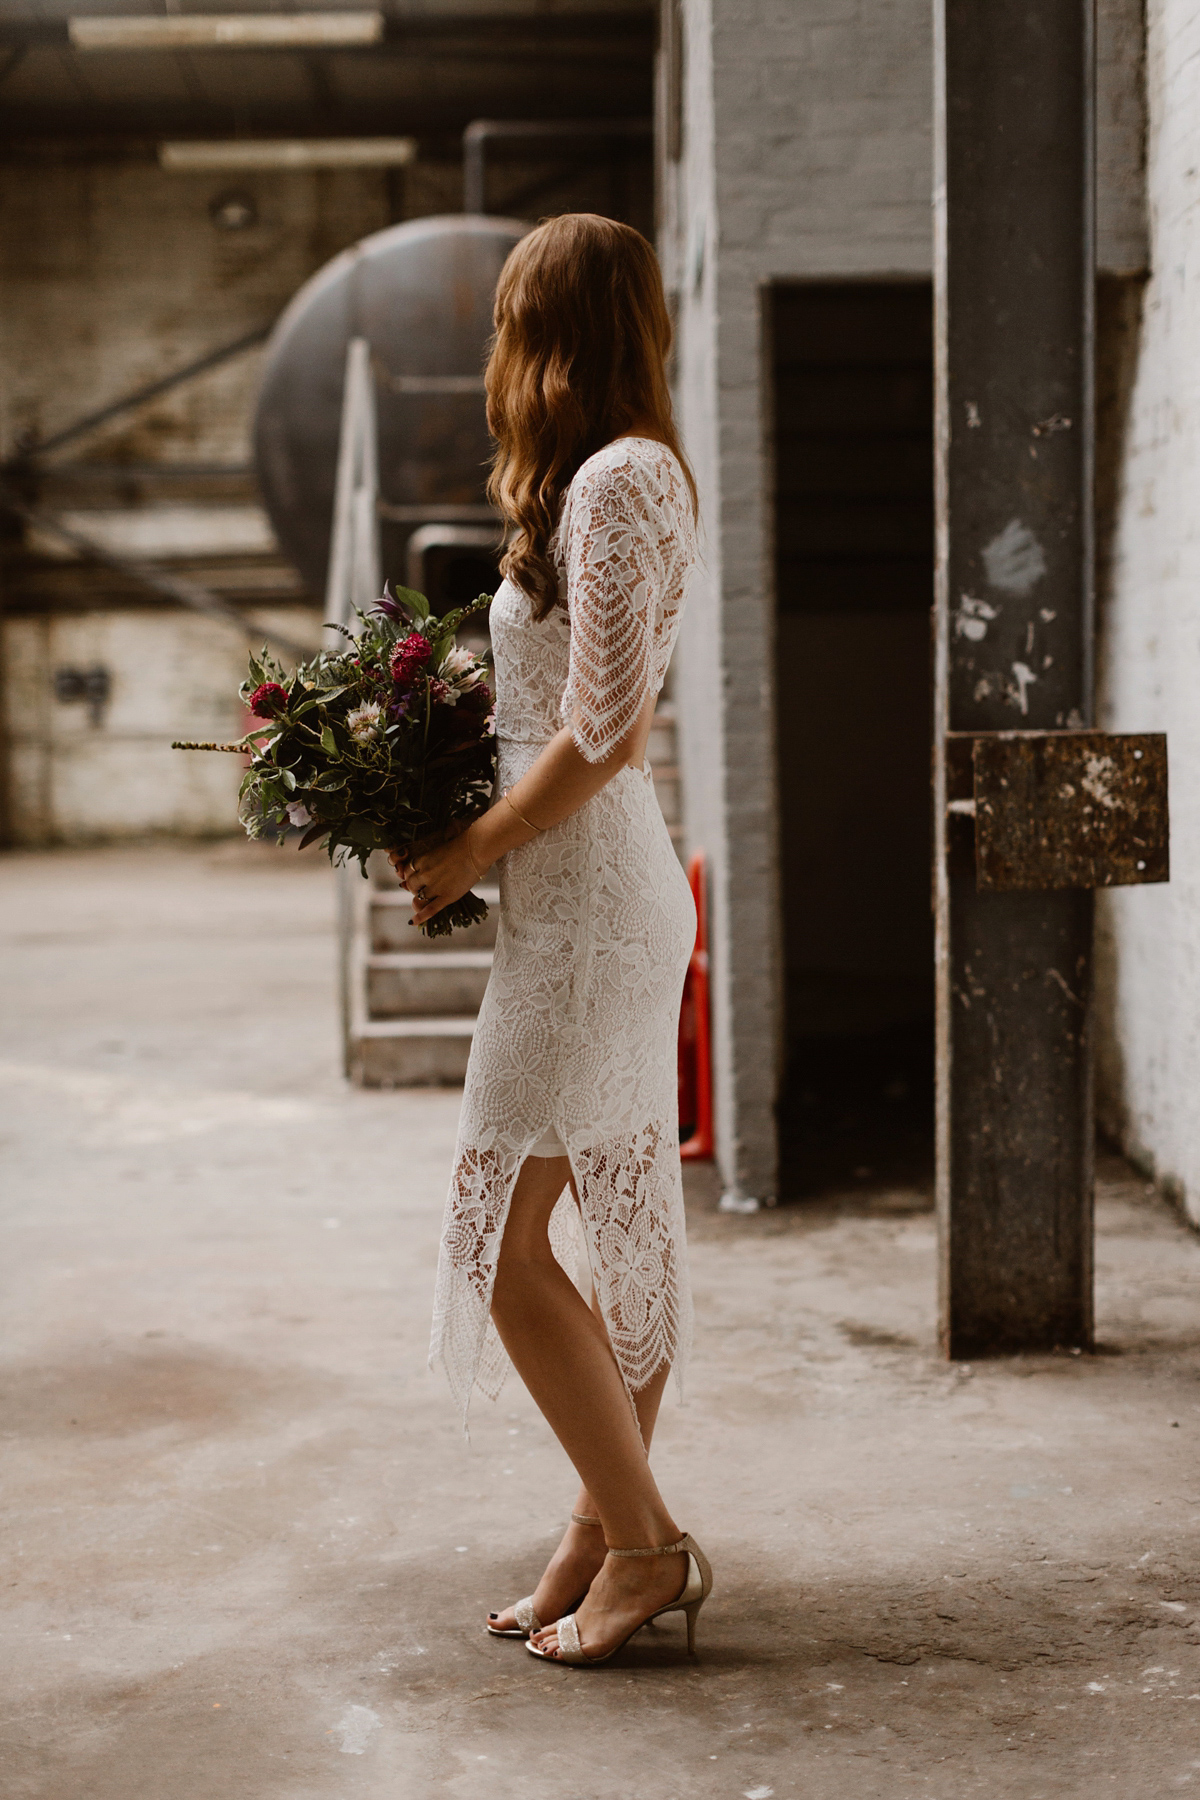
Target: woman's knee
521, 1275
525, 1255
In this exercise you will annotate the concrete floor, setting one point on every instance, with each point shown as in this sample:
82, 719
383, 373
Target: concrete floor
247, 1553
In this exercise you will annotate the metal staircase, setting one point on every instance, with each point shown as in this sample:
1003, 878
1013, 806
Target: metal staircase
411, 1001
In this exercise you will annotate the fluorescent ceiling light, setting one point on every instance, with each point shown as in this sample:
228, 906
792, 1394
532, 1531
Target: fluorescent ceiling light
287, 153
227, 31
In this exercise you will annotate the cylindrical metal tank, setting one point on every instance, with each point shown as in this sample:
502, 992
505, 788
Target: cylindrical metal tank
421, 294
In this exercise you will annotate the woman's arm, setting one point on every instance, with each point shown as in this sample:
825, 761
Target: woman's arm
614, 574
559, 783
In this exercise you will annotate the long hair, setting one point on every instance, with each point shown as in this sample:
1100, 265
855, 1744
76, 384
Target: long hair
578, 358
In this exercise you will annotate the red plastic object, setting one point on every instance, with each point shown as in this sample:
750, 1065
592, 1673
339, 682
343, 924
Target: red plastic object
695, 1061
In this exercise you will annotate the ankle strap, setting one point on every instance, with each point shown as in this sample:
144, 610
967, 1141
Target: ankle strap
586, 1518
654, 1550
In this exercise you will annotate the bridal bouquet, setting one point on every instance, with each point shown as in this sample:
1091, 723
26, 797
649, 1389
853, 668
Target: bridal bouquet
381, 744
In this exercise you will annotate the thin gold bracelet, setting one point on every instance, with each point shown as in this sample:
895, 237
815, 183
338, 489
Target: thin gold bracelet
479, 873
526, 822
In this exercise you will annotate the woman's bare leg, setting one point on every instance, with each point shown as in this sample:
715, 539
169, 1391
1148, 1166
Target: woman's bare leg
562, 1353
580, 1553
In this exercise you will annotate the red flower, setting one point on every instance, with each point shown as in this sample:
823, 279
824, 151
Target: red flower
268, 701
410, 657
477, 699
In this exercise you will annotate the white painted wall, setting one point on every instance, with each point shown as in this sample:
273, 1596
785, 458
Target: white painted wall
174, 675
1149, 1064
806, 153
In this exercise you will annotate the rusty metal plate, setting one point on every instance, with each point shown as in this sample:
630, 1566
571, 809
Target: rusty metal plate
1069, 809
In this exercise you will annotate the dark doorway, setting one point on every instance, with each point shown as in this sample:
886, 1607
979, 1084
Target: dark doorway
853, 377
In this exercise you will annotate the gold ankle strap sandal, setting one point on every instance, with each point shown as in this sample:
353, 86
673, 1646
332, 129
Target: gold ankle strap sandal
527, 1619
696, 1589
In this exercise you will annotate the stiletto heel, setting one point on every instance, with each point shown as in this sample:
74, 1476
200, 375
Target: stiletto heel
693, 1613
695, 1591
527, 1620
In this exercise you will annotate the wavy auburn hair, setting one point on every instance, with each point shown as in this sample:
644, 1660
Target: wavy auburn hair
578, 358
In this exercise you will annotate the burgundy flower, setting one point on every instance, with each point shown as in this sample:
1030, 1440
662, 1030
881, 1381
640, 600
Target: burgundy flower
410, 657
439, 691
387, 606
268, 701
477, 699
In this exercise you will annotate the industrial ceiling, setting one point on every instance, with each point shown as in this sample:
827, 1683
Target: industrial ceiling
429, 72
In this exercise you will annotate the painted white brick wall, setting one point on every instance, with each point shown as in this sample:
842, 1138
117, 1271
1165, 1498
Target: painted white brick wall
1150, 937
807, 151
174, 675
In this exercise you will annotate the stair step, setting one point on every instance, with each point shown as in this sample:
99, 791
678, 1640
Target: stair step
428, 1052
389, 913
414, 984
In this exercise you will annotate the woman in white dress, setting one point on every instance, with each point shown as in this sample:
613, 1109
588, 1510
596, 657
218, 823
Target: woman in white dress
569, 1117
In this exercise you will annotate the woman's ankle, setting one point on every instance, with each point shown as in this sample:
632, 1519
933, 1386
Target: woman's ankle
646, 1536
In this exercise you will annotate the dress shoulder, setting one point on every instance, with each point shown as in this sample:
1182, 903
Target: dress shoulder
637, 464
637, 482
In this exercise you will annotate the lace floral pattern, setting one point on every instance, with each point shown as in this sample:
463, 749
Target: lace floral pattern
577, 1028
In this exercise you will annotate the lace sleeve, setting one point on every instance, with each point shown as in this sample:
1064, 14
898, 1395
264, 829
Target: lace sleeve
613, 551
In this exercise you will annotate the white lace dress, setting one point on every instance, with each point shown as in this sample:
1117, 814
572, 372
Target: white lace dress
575, 1047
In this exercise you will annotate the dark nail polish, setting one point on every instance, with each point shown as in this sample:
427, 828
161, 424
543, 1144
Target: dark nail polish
493, 1615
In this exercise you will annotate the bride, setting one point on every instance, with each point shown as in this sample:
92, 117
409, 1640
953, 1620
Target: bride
569, 1116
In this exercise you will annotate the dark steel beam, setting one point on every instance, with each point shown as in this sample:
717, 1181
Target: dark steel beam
178, 588
212, 359
1014, 293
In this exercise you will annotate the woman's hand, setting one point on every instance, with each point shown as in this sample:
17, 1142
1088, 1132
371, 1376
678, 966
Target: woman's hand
437, 875
560, 781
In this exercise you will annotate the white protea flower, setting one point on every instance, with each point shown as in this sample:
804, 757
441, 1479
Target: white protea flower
364, 722
462, 670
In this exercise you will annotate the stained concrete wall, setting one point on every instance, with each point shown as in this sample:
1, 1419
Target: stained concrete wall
1149, 1068
805, 153
112, 274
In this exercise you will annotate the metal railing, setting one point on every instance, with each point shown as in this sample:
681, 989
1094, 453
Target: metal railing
353, 580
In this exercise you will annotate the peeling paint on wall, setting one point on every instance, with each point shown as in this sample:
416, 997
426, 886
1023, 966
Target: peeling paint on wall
1014, 560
